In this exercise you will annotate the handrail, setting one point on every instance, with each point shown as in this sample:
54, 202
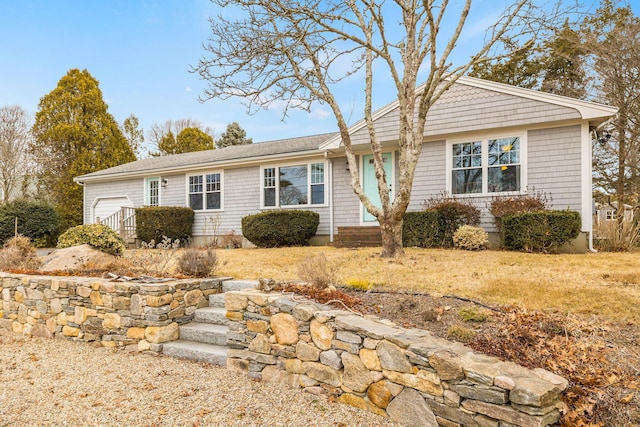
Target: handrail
123, 221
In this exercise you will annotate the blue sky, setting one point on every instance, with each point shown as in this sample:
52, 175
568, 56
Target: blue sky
140, 52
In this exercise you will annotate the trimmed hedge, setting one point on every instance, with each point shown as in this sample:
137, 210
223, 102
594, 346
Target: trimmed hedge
280, 228
421, 229
543, 231
99, 236
156, 222
35, 219
434, 227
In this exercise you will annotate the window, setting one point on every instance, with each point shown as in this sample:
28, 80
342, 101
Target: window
486, 166
152, 192
205, 192
612, 215
293, 185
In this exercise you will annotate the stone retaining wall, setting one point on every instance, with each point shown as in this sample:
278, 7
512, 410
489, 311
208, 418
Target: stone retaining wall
140, 316
406, 374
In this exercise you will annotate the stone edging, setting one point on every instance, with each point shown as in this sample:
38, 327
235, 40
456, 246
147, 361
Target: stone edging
140, 316
406, 374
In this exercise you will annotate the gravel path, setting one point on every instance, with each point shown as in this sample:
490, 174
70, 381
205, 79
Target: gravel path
58, 383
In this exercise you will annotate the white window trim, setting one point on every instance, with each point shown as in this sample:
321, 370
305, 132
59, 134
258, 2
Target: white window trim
147, 195
204, 190
306, 163
484, 138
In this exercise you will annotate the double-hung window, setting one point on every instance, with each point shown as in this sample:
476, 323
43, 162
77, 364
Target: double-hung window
486, 166
205, 192
302, 184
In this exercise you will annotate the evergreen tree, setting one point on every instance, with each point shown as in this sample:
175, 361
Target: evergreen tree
518, 66
234, 135
74, 134
565, 64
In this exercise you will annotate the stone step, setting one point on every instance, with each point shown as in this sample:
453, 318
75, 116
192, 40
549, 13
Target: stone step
238, 285
208, 353
204, 333
214, 315
216, 300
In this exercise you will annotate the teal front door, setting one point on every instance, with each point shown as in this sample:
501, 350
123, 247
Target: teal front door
370, 183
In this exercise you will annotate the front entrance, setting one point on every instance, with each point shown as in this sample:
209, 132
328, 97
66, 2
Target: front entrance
370, 183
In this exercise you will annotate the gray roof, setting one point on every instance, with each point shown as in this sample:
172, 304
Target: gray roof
203, 158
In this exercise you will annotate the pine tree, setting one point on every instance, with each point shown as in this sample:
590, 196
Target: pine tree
74, 134
564, 64
234, 135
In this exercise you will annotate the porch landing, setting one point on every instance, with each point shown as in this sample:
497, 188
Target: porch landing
358, 237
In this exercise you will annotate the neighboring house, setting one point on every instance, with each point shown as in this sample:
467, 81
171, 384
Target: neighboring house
608, 212
482, 139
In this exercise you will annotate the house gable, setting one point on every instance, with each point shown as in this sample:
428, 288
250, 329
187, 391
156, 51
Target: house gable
475, 105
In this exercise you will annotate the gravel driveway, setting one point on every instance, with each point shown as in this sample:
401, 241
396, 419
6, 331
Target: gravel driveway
57, 382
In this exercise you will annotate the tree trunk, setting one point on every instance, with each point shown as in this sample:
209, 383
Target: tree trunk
391, 239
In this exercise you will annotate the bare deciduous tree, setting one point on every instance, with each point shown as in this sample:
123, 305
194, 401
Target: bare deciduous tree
300, 51
612, 38
15, 136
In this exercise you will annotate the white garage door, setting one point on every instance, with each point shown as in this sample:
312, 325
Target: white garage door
109, 205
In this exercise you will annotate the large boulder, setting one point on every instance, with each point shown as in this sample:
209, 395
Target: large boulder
76, 257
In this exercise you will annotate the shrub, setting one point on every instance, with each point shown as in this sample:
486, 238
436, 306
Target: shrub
452, 214
157, 222
502, 206
434, 228
543, 231
317, 271
280, 228
156, 258
617, 237
230, 240
421, 229
36, 220
470, 238
99, 236
360, 284
18, 252
198, 262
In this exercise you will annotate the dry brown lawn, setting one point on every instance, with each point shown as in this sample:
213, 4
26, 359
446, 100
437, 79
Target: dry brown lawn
600, 284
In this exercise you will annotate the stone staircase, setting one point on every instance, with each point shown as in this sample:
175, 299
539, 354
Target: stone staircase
205, 338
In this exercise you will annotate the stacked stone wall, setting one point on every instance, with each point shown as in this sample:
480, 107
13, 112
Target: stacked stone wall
405, 374
140, 316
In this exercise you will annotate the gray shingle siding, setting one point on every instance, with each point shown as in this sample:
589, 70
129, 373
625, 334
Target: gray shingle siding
465, 108
555, 165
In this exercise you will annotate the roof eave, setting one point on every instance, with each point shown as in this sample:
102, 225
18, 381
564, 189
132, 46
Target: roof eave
206, 165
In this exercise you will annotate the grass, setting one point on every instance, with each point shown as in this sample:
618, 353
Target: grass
601, 284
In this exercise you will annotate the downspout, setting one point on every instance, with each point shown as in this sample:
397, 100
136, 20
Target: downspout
330, 195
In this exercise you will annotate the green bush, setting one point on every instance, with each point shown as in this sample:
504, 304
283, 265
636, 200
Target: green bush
470, 238
543, 231
434, 227
99, 236
157, 222
36, 220
533, 201
280, 228
421, 229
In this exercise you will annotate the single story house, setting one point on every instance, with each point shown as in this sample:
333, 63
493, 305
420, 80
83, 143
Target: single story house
608, 212
482, 139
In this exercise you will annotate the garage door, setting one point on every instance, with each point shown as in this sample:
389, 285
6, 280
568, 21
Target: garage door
108, 206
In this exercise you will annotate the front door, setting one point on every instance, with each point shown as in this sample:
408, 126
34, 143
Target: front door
370, 183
